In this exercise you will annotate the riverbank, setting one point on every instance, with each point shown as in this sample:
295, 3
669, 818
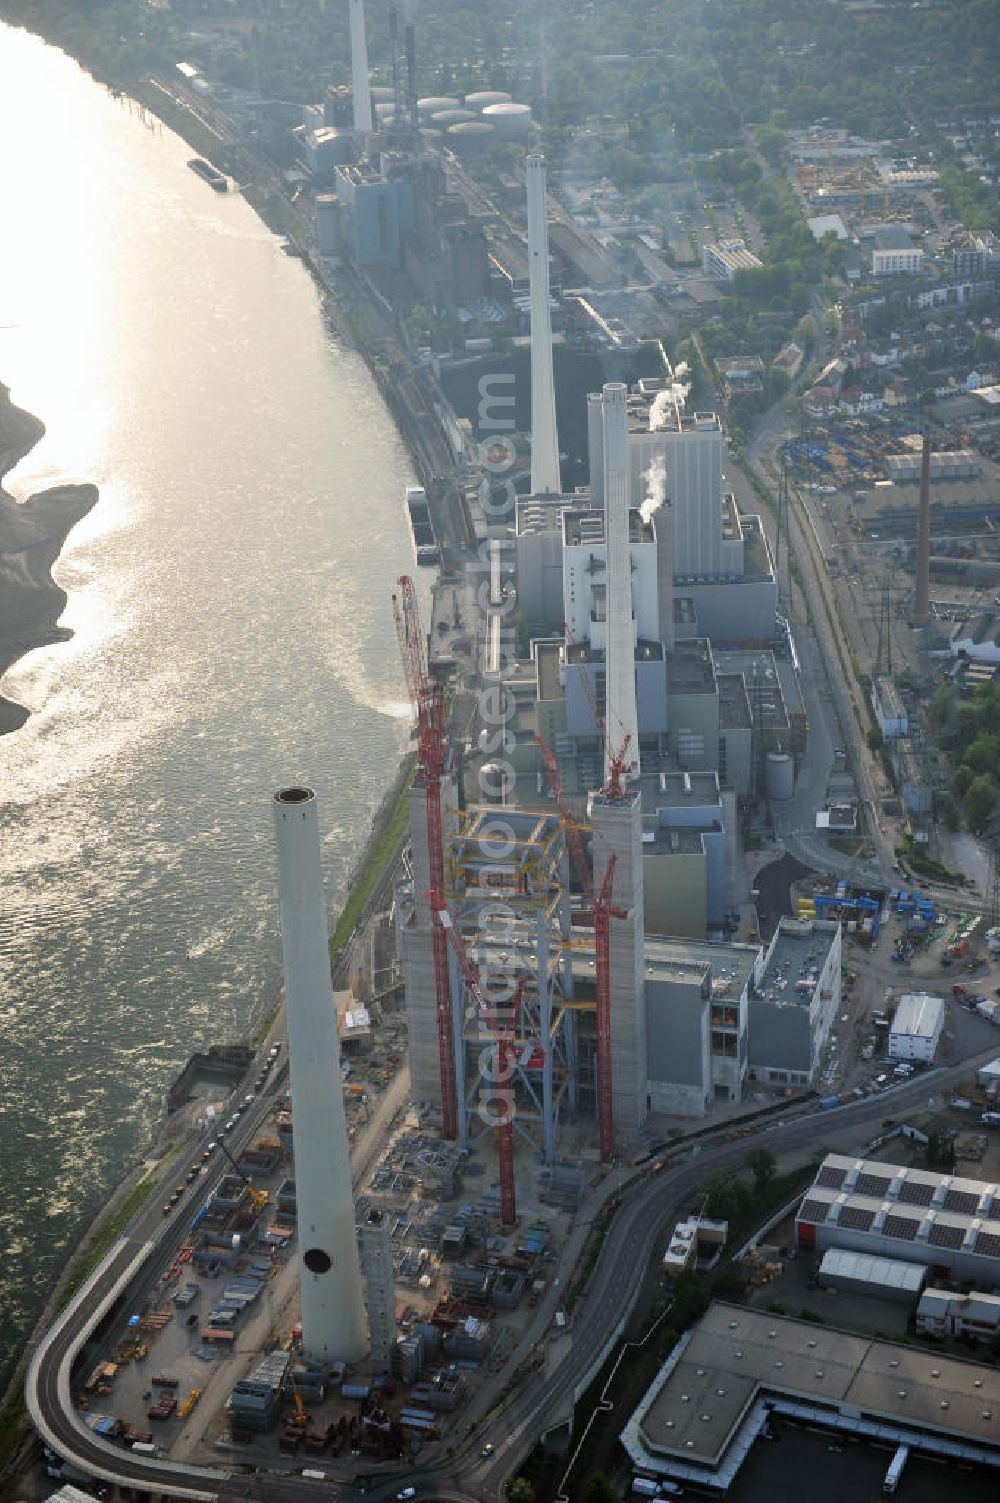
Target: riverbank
32, 535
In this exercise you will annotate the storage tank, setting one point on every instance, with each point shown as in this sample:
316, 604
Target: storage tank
471, 135
381, 93
512, 121
443, 118
779, 776
383, 109
483, 98
430, 106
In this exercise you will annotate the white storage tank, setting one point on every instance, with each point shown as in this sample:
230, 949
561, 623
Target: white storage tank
443, 118
471, 135
483, 98
779, 776
381, 93
383, 109
433, 103
512, 121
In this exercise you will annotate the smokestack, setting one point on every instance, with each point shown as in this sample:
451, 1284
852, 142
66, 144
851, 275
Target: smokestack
595, 445
409, 39
359, 70
410, 42
621, 717
333, 1313
397, 77
922, 589
663, 531
544, 437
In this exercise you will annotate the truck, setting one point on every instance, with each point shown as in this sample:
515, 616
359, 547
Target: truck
895, 1471
145, 1448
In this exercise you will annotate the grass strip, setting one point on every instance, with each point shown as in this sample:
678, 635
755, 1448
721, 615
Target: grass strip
381, 853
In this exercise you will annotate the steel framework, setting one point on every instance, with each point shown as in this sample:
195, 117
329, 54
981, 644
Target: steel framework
507, 892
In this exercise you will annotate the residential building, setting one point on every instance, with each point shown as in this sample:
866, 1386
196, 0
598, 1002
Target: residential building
894, 253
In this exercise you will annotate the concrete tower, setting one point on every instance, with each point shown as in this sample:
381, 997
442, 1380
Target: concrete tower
376, 1256
544, 437
333, 1312
922, 587
617, 827
360, 86
621, 715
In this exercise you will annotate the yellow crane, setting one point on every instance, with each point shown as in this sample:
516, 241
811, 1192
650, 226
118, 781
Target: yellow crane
258, 1199
301, 1419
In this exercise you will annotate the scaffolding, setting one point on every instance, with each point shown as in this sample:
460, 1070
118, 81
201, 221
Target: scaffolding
507, 889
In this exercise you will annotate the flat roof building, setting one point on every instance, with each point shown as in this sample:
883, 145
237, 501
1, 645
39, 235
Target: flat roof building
711, 1398
795, 1001
917, 1027
917, 1215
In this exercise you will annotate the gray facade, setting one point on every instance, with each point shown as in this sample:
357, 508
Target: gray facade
678, 1037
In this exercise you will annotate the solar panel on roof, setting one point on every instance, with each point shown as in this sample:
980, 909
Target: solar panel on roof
903, 1227
872, 1184
946, 1236
830, 1177
813, 1210
964, 1201
855, 1219
913, 1193
988, 1243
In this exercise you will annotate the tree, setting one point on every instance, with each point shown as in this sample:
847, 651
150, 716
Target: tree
980, 797
726, 1196
875, 739
521, 1491
762, 1166
598, 1489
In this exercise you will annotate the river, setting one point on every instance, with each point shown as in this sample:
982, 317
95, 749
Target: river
229, 599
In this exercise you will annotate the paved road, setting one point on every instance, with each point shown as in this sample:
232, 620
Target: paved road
649, 1206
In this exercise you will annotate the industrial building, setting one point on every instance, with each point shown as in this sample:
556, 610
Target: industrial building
942, 1312
916, 1027
917, 1215
711, 1399
890, 711
796, 1001
863, 1273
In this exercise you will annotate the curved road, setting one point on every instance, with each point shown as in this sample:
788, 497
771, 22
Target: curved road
512, 1428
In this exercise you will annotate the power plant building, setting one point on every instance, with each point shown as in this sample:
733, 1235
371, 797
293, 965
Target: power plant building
796, 1002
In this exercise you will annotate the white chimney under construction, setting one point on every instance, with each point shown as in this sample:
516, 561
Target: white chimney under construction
360, 86
544, 436
333, 1312
621, 718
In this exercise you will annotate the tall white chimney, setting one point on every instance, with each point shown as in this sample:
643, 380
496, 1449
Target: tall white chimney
544, 437
333, 1312
360, 87
622, 715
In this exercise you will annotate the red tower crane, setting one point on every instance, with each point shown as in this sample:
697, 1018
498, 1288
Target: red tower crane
427, 697
505, 1035
603, 914
570, 825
